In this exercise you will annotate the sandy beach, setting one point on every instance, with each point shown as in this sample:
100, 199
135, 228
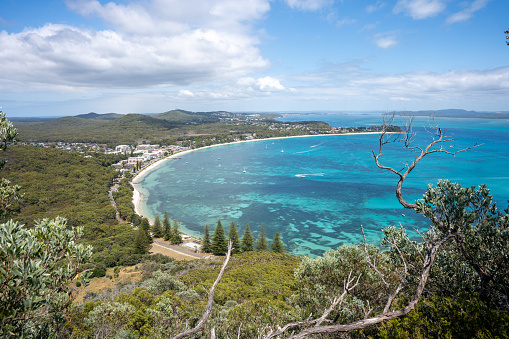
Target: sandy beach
138, 196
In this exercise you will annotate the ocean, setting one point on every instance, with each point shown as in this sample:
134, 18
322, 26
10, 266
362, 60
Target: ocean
317, 191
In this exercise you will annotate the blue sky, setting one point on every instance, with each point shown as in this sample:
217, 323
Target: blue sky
68, 57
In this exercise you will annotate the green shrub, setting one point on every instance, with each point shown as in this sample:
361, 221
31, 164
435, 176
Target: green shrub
98, 272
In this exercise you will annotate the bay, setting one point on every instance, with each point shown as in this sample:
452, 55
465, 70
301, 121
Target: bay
317, 191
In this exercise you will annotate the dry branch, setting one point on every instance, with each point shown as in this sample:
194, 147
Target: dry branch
432, 247
208, 309
440, 143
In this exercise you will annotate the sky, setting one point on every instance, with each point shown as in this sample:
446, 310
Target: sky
69, 57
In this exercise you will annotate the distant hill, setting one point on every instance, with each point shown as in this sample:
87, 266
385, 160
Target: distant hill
136, 121
124, 129
63, 123
113, 128
30, 119
97, 116
186, 117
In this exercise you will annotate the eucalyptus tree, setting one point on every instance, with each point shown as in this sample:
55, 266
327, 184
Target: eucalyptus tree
478, 228
38, 265
409, 261
8, 193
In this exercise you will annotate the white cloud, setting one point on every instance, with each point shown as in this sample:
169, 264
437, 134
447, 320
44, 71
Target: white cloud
173, 16
343, 87
308, 5
386, 42
266, 84
419, 9
269, 84
65, 55
247, 81
451, 85
185, 93
151, 45
467, 12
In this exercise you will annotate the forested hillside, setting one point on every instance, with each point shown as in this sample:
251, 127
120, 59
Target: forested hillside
163, 128
55, 182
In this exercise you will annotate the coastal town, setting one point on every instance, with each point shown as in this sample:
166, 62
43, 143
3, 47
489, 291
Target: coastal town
141, 155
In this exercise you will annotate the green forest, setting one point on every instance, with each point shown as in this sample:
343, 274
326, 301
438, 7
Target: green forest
60, 230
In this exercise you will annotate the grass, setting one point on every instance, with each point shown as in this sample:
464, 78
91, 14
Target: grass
98, 285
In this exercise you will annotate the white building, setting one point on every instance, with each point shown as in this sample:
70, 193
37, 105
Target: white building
123, 149
148, 148
192, 245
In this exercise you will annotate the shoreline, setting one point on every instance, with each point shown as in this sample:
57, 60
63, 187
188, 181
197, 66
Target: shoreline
138, 195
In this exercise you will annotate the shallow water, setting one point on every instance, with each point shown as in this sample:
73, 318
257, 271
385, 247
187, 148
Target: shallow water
317, 191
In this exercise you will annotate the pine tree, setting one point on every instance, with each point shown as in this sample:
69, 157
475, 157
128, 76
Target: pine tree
157, 228
219, 244
166, 227
145, 226
277, 245
141, 242
247, 240
176, 238
261, 242
207, 247
233, 236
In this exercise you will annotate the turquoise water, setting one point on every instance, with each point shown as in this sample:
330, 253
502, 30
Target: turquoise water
319, 190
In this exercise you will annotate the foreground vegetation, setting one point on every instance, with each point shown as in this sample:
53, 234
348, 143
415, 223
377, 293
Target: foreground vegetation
452, 284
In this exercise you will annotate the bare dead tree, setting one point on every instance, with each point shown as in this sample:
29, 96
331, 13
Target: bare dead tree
208, 308
440, 143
